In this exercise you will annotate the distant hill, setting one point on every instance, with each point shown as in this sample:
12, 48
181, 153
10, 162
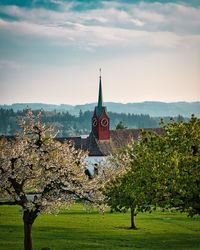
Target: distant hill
37, 106
154, 109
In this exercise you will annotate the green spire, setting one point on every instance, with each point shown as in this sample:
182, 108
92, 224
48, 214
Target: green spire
100, 100
99, 108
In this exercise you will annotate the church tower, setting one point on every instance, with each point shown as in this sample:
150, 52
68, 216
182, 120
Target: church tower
100, 119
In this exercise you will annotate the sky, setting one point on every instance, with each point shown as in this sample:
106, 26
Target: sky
51, 51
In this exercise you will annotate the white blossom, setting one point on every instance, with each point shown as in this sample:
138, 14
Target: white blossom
35, 162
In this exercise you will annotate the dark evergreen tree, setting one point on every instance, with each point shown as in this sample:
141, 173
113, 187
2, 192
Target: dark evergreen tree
71, 125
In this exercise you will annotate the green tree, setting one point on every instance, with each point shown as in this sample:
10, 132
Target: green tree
119, 198
135, 189
120, 125
181, 160
162, 170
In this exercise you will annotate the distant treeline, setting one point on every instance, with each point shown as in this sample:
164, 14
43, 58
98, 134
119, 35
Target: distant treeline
71, 125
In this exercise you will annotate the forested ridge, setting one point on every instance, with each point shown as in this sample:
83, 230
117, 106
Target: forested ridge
72, 125
153, 108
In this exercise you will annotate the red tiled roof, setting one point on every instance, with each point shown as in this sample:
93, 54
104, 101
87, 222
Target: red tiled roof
118, 139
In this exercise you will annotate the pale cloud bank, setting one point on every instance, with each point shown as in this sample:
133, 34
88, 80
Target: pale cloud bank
148, 51
149, 24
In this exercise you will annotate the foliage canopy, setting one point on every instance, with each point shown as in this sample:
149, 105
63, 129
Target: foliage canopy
162, 170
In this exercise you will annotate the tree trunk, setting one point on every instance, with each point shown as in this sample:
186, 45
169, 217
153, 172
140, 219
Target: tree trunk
27, 236
133, 226
28, 222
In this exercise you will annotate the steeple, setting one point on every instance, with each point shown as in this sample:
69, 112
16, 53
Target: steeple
100, 99
99, 107
100, 119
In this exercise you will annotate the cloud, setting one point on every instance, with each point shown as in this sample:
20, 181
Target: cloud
94, 36
158, 25
146, 49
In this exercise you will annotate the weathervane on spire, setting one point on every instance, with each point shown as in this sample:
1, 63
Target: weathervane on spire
100, 72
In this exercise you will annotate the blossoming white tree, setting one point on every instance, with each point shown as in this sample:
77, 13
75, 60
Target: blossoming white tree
34, 161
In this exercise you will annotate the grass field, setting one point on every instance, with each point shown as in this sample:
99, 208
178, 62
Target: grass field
77, 229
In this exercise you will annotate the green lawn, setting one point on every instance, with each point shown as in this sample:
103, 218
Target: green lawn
77, 229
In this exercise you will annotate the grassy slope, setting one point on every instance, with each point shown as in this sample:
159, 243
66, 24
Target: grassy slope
77, 229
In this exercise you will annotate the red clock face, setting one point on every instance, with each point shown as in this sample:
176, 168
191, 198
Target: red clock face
104, 122
94, 122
